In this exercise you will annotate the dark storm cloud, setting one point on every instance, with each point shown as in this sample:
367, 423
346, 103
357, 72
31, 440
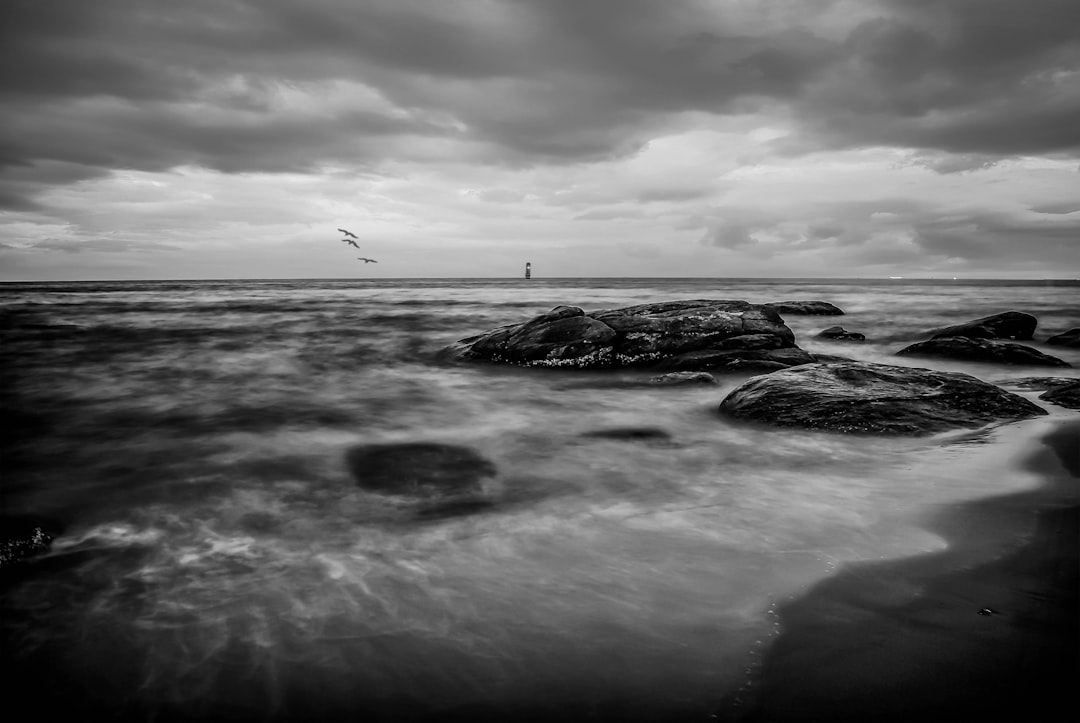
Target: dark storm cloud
152, 84
974, 77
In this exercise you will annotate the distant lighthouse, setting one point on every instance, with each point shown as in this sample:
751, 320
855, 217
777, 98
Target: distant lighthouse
528, 270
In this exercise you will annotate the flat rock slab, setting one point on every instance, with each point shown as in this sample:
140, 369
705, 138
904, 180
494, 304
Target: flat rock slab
1006, 325
641, 335
864, 398
419, 469
812, 308
982, 350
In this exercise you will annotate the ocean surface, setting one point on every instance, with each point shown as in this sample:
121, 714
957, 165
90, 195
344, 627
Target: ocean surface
215, 559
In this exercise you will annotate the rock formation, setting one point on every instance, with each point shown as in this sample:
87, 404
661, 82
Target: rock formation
839, 333
1065, 395
688, 335
815, 308
859, 397
1070, 338
981, 350
1006, 325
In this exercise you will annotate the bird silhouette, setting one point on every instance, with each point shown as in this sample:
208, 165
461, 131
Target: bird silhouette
350, 242
367, 261
348, 233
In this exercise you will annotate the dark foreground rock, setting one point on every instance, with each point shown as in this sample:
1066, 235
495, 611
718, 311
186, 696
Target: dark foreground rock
859, 397
1006, 325
419, 469
1070, 338
813, 308
567, 337
982, 350
839, 333
1064, 395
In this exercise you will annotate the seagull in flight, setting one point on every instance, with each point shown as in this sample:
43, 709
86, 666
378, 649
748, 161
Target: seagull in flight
350, 242
367, 261
348, 233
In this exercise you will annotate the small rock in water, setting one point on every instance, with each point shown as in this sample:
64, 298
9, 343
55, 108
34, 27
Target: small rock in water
1070, 338
839, 333
813, 308
1065, 395
982, 350
630, 433
419, 469
1006, 325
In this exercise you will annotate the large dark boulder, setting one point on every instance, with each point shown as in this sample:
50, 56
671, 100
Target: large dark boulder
1065, 395
631, 336
814, 308
1006, 325
982, 350
1070, 338
419, 469
865, 398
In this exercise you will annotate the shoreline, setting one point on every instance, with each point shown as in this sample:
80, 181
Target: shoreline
949, 635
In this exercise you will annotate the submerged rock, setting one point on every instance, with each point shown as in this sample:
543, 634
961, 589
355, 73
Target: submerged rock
419, 469
630, 434
839, 333
1070, 338
640, 335
982, 350
814, 308
1064, 395
865, 398
1006, 325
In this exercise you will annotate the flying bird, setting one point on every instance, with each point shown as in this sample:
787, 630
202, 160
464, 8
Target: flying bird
350, 241
367, 261
348, 233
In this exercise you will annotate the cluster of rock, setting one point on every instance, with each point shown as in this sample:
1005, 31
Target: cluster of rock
686, 340
982, 340
689, 338
671, 336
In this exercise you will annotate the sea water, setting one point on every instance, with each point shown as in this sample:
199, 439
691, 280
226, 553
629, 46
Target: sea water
215, 559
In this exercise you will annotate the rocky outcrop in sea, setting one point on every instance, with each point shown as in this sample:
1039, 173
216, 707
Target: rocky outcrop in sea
685, 335
864, 398
982, 350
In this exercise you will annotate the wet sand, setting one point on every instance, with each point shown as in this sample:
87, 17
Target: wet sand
985, 630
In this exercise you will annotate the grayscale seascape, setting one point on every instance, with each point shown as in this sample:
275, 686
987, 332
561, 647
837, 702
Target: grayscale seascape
213, 557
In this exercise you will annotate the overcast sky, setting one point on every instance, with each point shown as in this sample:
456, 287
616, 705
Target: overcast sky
231, 138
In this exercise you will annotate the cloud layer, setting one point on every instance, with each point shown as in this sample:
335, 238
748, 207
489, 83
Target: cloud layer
947, 134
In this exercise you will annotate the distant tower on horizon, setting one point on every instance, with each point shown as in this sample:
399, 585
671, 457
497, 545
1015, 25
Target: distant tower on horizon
528, 270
